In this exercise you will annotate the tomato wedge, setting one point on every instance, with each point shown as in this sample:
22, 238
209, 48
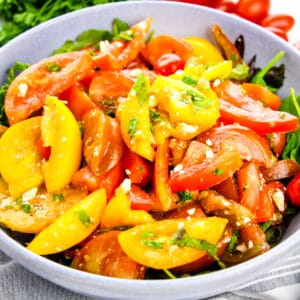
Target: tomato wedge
237, 106
211, 171
166, 44
50, 76
250, 145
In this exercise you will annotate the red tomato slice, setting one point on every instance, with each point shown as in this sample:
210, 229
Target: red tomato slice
236, 106
120, 54
78, 101
293, 190
138, 169
209, 172
168, 64
140, 200
262, 94
251, 146
164, 198
44, 151
27, 92
166, 44
87, 179
102, 141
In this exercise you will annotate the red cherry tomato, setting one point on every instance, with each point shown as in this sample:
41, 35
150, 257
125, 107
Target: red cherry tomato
168, 64
226, 5
253, 10
281, 21
293, 190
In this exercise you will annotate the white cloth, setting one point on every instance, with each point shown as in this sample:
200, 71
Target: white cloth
281, 282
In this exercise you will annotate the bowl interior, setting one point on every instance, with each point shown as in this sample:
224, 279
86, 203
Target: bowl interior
168, 18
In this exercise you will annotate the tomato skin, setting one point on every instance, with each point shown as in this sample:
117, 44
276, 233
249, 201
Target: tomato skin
78, 101
282, 21
88, 180
108, 261
237, 106
140, 200
168, 64
226, 5
44, 151
208, 173
38, 82
164, 198
262, 94
250, 145
253, 10
138, 169
166, 44
293, 190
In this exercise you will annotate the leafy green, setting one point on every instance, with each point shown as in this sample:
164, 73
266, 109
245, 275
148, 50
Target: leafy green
291, 104
141, 87
12, 73
22, 15
181, 239
259, 76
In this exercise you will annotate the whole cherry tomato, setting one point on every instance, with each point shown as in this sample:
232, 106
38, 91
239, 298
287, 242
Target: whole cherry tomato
253, 10
168, 64
293, 190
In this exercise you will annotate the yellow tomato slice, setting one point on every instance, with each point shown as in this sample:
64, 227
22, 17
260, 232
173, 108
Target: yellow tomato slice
205, 50
72, 227
20, 161
61, 132
151, 244
119, 213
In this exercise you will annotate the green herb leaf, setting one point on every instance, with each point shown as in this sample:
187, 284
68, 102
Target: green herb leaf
84, 218
218, 172
185, 196
132, 127
180, 238
259, 76
187, 79
119, 26
233, 241
52, 67
148, 239
141, 87
58, 197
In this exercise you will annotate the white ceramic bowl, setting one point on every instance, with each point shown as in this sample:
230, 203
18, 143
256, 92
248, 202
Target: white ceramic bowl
170, 18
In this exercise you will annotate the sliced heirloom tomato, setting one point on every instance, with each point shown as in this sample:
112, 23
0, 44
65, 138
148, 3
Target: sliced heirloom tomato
151, 244
78, 101
118, 211
102, 141
251, 146
50, 76
61, 132
120, 53
88, 180
72, 227
138, 169
166, 44
237, 106
164, 198
211, 171
95, 257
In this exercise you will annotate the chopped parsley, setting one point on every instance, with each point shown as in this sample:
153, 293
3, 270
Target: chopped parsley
218, 171
58, 197
187, 79
52, 67
84, 218
148, 239
26, 207
233, 241
185, 196
181, 239
141, 86
132, 127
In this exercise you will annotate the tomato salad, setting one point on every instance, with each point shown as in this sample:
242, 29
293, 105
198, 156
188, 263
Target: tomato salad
142, 156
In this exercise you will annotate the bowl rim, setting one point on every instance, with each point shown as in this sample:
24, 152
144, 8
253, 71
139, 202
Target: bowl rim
30, 260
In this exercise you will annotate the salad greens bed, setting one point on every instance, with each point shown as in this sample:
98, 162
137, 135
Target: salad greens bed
20, 15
